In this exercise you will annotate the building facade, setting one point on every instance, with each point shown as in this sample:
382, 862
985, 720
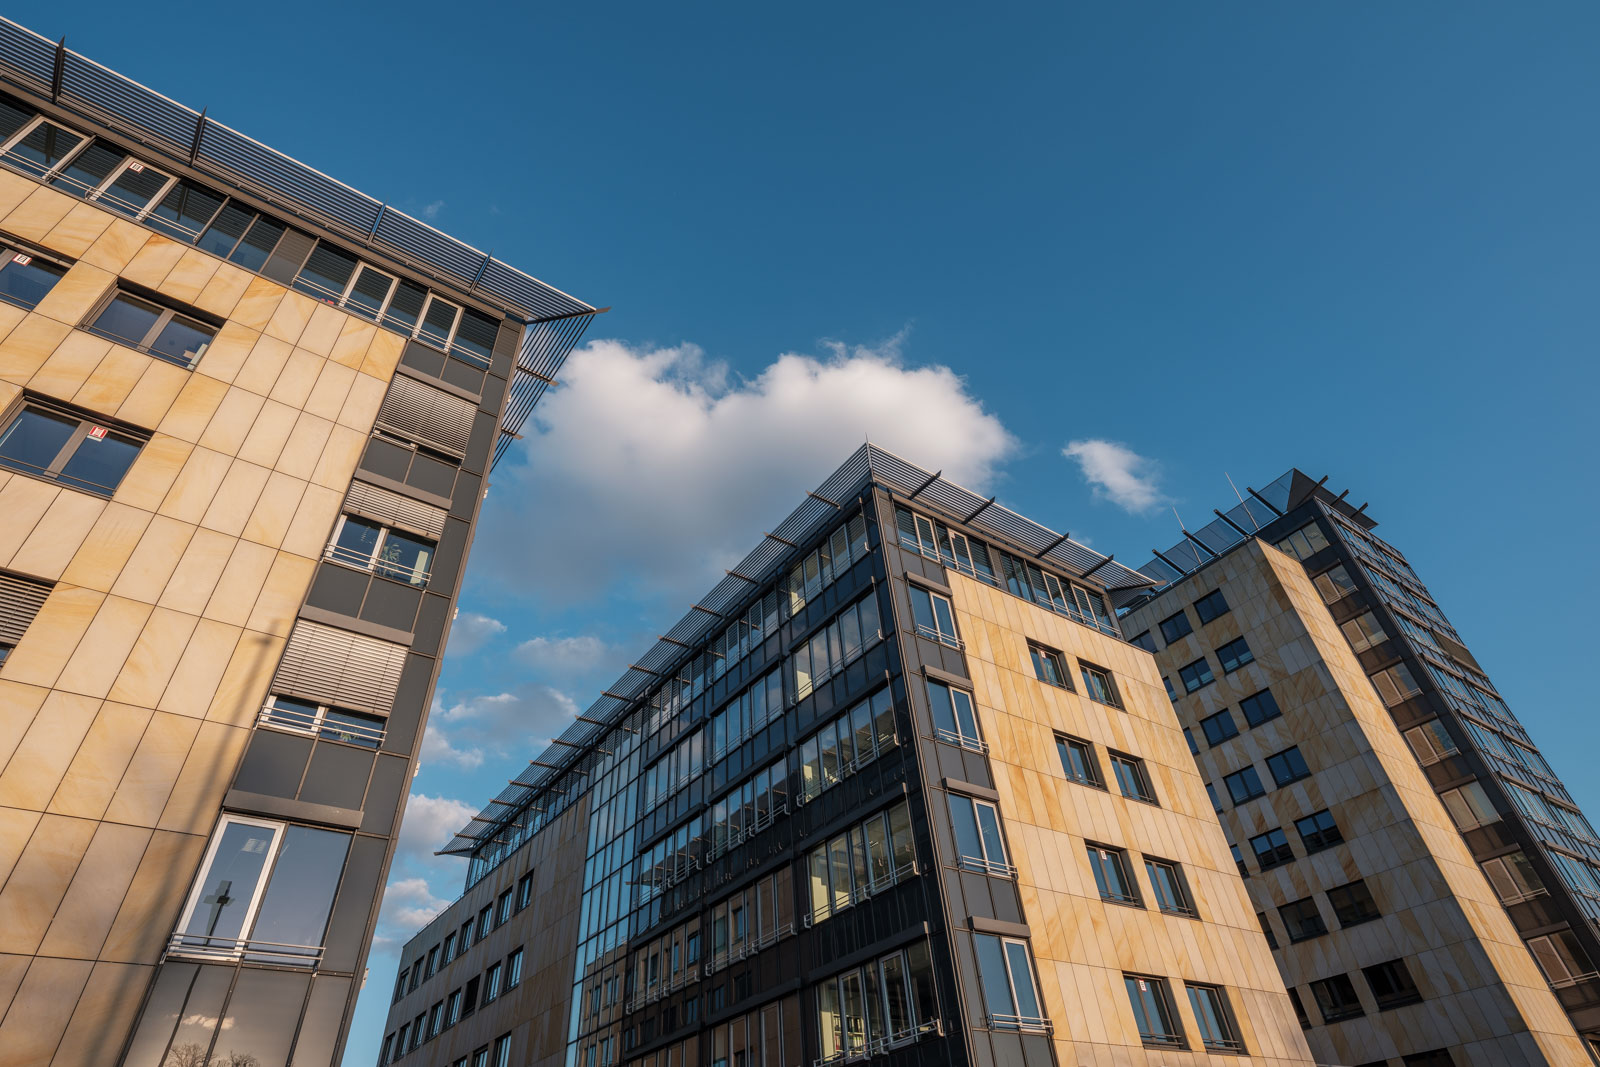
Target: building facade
246, 417
1428, 884
896, 788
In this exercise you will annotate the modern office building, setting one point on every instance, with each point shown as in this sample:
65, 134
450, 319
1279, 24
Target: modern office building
1428, 884
246, 415
897, 787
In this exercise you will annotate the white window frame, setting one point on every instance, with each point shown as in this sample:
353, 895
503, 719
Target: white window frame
275, 717
422, 320
984, 864
350, 287
339, 554
27, 128
1015, 1021
247, 925
118, 171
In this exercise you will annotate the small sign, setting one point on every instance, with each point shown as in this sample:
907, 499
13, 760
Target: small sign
21, 260
136, 166
97, 433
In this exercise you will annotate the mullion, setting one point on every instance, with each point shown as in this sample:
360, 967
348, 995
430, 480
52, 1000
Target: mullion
67, 450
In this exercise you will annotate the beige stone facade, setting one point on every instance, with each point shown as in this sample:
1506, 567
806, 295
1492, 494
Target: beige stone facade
1482, 999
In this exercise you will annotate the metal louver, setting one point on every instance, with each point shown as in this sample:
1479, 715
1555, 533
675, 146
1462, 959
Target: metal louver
427, 415
336, 667
20, 601
393, 509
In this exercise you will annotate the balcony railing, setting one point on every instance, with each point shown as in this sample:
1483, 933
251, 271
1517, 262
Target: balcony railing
309, 722
205, 946
960, 740
934, 634
857, 894
350, 557
879, 1046
984, 866
750, 947
1037, 1024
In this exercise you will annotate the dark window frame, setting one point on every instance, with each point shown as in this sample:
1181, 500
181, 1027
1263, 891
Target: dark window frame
1099, 684
10, 249
1293, 774
167, 309
1337, 1008
1041, 655
1254, 701
1277, 855
87, 422
1169, 626
1250, 781
1321, 837
1222, 716
1224, 657
1302, 920
1207, 602
1188, 669
1400, 987
1353, 904
1145, 789
1091, 763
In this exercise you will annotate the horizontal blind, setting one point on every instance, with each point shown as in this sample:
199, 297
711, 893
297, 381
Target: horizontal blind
393, 509
20, 601
333, 666
427, 415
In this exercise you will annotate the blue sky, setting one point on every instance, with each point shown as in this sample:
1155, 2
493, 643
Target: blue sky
1361, 239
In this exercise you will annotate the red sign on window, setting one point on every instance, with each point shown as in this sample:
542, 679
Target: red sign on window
136, 166
98, 433
20, 259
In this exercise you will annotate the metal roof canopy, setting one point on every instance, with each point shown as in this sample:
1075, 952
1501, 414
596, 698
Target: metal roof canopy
868, 465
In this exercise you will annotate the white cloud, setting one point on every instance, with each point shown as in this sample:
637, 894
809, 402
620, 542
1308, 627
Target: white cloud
409, 903
563, 655
652, 469
1118, 474
430, 210
436, 748
464, 733
472, 631
428, 824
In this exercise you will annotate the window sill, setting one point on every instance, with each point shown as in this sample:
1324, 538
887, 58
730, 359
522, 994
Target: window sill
1136, 904
1407, 1002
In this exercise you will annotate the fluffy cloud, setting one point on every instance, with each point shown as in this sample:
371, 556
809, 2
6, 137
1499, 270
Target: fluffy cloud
428, 823
563, 655
652, 469
409, 903
472, 631
1118, 474
463, 733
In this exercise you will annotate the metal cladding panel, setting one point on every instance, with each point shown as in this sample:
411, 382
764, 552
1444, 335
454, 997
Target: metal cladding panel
334, 666
541, 300
391, 507
20, 601
427, 415
423, 242
87, 82
545, 347
28, 58
255, 164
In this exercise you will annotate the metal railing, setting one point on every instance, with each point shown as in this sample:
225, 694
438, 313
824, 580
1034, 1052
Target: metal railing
749, 948
234, 948
307, 722
1031, 1023
984, 866
934, 634
859, 893
351, 557
879, 1045
735, 838
960, 740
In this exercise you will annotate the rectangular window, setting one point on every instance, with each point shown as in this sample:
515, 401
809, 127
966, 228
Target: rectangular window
1078, 762
1238, 861
435, 1020
1266, 929
1287, 766
1439, 1057
1144, 641
514, 969
1334, 585
1353, 904
1188, 736
1219, 727
491, 983
1196, 675
1395, 684
452, 1008
1244, 784
20, 601
382, 550
1363, 632
485, 921
1304, 542
449, 948
1111, 874
933, 616
1336, 998
1009, 991
320, 720
465, 939
1318, 831
1271, 849
1048, 666
502, 1051
1302, 920
27, 277
1214, 1018
1391, 984
1513, 878
525, 891
1299, 1008
56, 443
1169, 888
1176, 626
1469, 806
1152, 1011
1234, 654
1216, 801
433, 963
178, 337
1132, 780
979, 844
1561, 958
1099, 685
503, 908
1259, 708
954, 719
1431, 742
1212, 605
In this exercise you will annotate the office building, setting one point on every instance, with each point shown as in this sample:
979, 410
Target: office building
246, 416
897, 787
1427, 882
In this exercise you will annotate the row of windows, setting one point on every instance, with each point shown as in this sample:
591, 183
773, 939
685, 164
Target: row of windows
1080, 764
1390, 984
1174, 627
1113, 877
1231, 656
837, 645
746, 922
1257, 708
395, 1045
860, 862
880, 1005
1317, 831
1157, 1019
456, 943
1352, 905
1244, 784
1049, 666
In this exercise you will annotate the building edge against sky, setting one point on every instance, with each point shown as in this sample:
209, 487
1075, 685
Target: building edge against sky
246, 419
895, 787
1402, 837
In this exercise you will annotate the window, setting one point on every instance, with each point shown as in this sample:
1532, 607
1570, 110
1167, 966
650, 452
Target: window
933, 617
1302, 920
388, 1045
1244, 784
1175, 626
1196, 675
1132, 781
525, 891
1353, 904
1391, 984
954, 719
978, 841
400, 1039
1152, 1011
435, 1020
1238, 861
1234, 654
1144, 641
399, 986
859, 862
480, 1058
485, 921
26, 277
264, 894
1259, 707
514, 969
491, 983
386, 552
449, 947
1078, 762
1513, 878
55, 443
1431, 742
1219, 727
502, 1051
1048, 666
1469, 806
452, 1008
1188, 734
1111, 874
1271, 849
833, 646
1336, 998
1306, 541
1318, 831
20, 601
166, 333
1098, 685
1363, 632
1172, 694
1216, 801
1009, 991
1212, 605
882, 1003
503, 908
433, 963
465, 939
1561, 958
320, 720
1287, 766
1334, 585
1395, 684
1299, 1008
1214, 1018
842, 746
1266, 929
1167, 884
1438, 1057
416, 975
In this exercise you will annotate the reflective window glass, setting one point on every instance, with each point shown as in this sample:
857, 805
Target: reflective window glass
294, 910
131, 191
228, 885
369, 292
86, 170
326, 272
182, 341
224, 232
25, 279
34, 440
127, 320
42, 147
258, 243
185, 210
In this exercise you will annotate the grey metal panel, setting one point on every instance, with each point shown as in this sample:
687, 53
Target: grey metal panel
334, 666
27, 57
390, 507
20, 601
427, 415
115, 97
545, 347
423, 242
